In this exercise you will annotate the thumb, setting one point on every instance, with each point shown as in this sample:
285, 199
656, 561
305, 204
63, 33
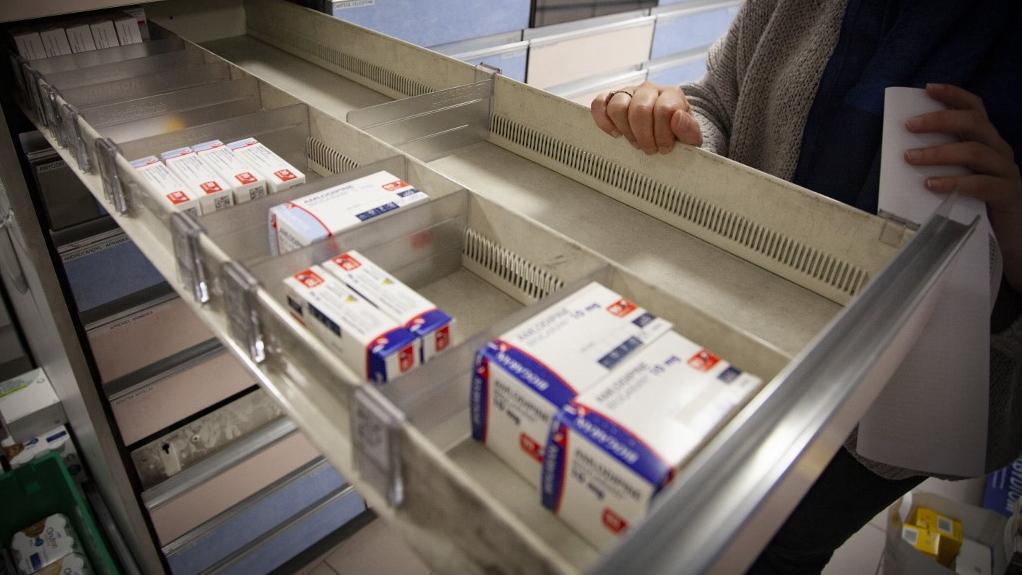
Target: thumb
686, 129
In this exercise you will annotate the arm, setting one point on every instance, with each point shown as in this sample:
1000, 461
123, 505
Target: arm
653, 117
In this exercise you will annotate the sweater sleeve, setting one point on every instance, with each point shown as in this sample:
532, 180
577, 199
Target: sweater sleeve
714, 98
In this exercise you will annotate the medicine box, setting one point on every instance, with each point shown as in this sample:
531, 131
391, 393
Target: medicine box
522, 378
318, 216
43, 543
947, 529
128, 31
278, 173
55, 42
29, 406
57, 440
921, 539
30, 45
245, 182
104, 34
369, 342
80, 38
400, 302
165, 186
201, 180
614, 447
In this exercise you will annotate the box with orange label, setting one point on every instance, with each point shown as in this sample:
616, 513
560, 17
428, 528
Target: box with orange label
368, 340
278, 173
201, 181
397, 300
522, 378
246, 183
921, 539
619, 443
165, 186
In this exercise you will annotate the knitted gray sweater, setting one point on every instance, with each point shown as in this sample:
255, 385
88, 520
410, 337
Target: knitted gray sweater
752, 105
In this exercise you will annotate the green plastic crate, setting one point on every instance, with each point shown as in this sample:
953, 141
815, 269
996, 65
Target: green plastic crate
41, 488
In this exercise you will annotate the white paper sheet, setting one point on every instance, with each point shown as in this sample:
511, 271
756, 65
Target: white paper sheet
932, 416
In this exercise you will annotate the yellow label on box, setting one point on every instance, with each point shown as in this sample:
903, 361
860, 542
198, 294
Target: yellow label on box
921, 539
947, 529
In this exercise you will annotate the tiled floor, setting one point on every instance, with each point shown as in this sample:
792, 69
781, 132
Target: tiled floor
372, 550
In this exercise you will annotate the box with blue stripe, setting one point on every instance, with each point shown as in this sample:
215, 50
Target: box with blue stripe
522, 378
618, 444
368, 341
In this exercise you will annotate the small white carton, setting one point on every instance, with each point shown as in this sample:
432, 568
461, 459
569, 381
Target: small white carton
30, 45
522, 378
368, 340
397, 300
245, 181
104, 34
614, 447
43, 543
318, 216
165, 186
80, 38
201, 180
128, 31
278, 173
55, 42
29, 406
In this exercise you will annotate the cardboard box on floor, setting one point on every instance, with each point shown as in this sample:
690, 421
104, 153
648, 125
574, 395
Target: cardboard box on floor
981, 525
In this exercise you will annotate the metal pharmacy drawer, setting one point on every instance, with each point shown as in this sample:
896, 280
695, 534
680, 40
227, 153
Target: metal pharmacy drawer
106, 271
510, 55
761, 271
689, 27
147, 407
66, 202
198, 439
583, 91
255, 522
193, 497
298, 535
549, 12
137, 337
578, 50
677, 70
433, 22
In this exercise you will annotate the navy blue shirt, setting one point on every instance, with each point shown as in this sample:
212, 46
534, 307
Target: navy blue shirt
973, 44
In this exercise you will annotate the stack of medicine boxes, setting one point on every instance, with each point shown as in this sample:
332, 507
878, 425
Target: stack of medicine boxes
597, 402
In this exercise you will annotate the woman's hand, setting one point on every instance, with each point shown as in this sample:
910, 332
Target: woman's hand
995, 178
651, 117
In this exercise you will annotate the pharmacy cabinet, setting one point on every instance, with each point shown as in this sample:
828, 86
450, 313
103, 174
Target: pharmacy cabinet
677, 70
527, 202
434, 22
690, 26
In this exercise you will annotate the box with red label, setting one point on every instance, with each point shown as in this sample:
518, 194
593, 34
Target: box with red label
368, 340
201, 180
522, 378
278, 173
616, 445
165, 186
397, 300
317, 216
246, 183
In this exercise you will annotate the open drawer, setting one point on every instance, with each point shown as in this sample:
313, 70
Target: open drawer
789, 285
